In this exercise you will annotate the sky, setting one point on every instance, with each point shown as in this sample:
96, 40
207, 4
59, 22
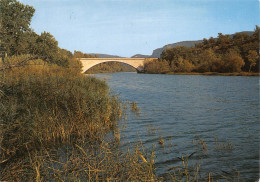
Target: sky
128, 27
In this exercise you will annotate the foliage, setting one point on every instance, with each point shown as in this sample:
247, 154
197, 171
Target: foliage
252, 58
182, 65
224, 54
79, 54
207, 59
232, 62
15, 20
159, 66
18, 39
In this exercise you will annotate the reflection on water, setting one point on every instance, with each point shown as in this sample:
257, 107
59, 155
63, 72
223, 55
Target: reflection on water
184, 110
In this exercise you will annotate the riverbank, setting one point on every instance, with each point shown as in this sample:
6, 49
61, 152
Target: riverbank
216, 73
58, 124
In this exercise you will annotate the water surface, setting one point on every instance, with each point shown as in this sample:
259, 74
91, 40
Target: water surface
185, 109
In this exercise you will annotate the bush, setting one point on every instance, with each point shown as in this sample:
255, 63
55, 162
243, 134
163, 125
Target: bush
232, 62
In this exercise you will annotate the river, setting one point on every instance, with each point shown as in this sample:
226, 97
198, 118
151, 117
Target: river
214, 118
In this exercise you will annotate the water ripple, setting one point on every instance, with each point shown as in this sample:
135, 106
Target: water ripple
182, 108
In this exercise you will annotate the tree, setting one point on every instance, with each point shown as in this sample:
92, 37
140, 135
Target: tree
224, 42
252, 58
211, 42
240, 38
160, 66
172, 54
66, 53
79, 54
15, 19
206, 59
163, 66
183, 65
233, 62
47, 47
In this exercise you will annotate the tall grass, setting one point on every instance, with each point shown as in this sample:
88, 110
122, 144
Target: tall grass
53, 126
53, 104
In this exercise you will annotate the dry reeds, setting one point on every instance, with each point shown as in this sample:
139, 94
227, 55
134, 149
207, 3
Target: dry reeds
53, 126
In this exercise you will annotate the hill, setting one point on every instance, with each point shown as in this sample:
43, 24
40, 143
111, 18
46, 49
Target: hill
140, 56
104, 55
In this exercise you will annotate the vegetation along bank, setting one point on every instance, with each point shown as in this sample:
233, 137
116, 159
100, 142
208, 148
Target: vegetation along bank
225, 55
55, 123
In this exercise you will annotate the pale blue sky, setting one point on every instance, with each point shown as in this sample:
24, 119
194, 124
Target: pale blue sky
128, 27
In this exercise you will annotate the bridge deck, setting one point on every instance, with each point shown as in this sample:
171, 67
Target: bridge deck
112, 58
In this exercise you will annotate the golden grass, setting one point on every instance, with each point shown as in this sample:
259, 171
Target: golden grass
46, 108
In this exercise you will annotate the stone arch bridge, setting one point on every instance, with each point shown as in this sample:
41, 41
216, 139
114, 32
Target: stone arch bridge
137, 63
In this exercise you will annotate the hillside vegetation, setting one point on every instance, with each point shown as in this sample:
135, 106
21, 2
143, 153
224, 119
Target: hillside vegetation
225, 54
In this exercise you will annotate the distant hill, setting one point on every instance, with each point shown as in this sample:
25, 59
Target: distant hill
157, 52
104, 55
140, 56
246, 32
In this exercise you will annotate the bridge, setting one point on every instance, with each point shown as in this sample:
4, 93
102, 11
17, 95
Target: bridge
137, 63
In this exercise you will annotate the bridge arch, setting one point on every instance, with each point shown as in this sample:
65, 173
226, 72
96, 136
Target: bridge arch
137, 63
114, 62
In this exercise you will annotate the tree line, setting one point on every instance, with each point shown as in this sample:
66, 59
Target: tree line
224, 54
19, 42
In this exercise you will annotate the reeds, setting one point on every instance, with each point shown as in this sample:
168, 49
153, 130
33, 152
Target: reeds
184, 172
83, 163
54, 126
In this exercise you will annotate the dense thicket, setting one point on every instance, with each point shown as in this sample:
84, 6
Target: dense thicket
224, 54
